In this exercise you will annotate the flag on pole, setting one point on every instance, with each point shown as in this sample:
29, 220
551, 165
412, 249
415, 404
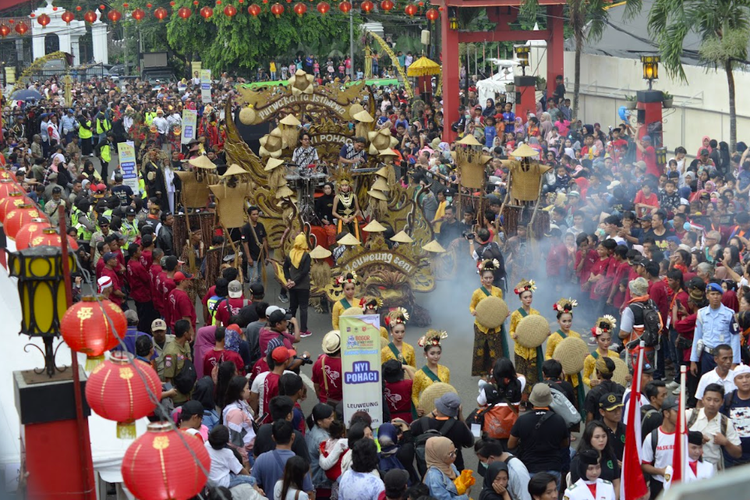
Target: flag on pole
679, 452
632, 484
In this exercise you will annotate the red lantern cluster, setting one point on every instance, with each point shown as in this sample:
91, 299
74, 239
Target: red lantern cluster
206, 12
156, 464
161, 13
300, 9
277, 9
184, 12
116, 392
345, 7
4, 30
432, 15
114, 15
47, 236
43, 20
410, 10
30, 231
68, 17
86, 329
230, 11
11, 201
18, 217
254, 10
22, 28
323, 8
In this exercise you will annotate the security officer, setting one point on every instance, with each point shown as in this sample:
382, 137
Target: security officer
79, 219
714, 325
128, 226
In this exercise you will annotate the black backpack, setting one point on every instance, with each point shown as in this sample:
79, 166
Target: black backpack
651, 322
185, 380
421, 441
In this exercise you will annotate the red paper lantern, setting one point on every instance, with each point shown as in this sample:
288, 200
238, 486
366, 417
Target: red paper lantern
116, 392
20, 216
367, 6
323, 8
102, 7
114, 15
254, 10
207, 12
230, 11
149, 5
386, 5
4, 30
90, 16
86, 329
300, 9
30, 231
277, 9
11, 201
32, 15
345, 7
68, 17
184, 12
410, 10
8, 186
43, 20
22, 28
79, 8
138, 14
218, 2
432, 15
125, 5
161, 13
156, 464
47, 236
172, 3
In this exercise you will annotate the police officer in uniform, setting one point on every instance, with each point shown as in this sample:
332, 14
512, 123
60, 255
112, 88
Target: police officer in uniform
714, 325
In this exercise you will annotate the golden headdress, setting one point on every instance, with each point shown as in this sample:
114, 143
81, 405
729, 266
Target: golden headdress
565, 305
350, 277
375, 302
489, 265
342, 176
432, 338
605, 324
525, 286
397, 316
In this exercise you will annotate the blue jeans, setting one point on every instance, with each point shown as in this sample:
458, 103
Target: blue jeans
254, 271
235, 480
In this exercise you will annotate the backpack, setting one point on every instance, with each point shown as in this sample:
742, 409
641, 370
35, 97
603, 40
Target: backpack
185, 380
651, 323
722, 425
563, 407
498, 421
420, 442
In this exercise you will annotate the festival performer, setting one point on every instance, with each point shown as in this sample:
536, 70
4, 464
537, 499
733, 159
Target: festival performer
432, 371
397, 348
371, 305
526, 357
603, 334
564, 309
346, 206
348, 282
590, 486
489, 343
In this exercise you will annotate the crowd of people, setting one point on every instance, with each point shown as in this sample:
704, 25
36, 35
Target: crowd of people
646, 251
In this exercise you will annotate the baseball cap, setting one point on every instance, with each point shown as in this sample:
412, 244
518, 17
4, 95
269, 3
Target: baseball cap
272, 309
610, 401
648, 368
190, 409
158, 325
395, 482
670, 403
130, 211
235, 289
180, 276
103, 221
109, 256
282, 354
257, 289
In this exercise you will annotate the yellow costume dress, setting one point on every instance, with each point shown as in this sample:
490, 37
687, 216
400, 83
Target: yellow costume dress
424, 378
527, 363
589, 365
575, 380
406, 356
555, 339
489, 344
339, 307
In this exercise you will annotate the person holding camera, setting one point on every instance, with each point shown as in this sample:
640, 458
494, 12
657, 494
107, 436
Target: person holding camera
279, 327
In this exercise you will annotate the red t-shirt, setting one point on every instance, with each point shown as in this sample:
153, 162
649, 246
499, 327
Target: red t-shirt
139, 281
332, 375
223, 313
180, 306
214, 357
156, 296
270, 390
116, 284
652, 200
591, 258
100, 267
557, 261
147, 258
600, 267
164, 285
398, 399
649, 156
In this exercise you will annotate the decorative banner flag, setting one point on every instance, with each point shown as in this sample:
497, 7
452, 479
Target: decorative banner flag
632, 484
360, 366
189, 125
126, 152
205, 85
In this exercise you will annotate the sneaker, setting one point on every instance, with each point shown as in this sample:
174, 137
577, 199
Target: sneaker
305, 334
676, 392
672, 385
284, 298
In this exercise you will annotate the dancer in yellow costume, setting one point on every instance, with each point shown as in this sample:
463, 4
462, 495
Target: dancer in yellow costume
398, 349
602, 332
528, 359
489, 343
431, 371
564, 309
348, 282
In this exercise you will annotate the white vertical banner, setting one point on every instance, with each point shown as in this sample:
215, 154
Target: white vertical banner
126, 151
189, 125
205, 85
360, 367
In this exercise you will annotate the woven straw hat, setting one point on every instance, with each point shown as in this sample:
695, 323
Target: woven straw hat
621, 371
353, 311
272, 163
284, 192
492, 312
349, 240
291, 120
531, 331
402, 237
383, 172
378, 195
380, 184
363, 116
374, 227
235, 169
570, 353
469, 140
320, 253
433, 392
433, 247
202, 161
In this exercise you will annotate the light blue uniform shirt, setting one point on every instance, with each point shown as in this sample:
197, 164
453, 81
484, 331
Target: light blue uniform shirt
715, 327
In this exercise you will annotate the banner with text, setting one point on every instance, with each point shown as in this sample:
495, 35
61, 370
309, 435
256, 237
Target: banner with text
205, 85
360, 366
126, 152
189, 125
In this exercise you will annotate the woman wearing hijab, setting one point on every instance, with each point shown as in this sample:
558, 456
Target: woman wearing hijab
204, 393
204, 342
232, 343
297, 274
388, 439
489, 110
440, 453
495, 485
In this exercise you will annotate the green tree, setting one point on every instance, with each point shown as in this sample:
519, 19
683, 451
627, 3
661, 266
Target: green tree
724, 30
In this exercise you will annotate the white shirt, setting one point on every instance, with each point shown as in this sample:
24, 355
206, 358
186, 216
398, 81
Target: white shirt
664, 451
626, 394
222, 463
705, 471
161, 124
290, 494
580, 491
713, 377
258, 387
711, 450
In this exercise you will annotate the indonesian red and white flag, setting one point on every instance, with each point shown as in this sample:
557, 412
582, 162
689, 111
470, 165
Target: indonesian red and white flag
632, 484
679, 453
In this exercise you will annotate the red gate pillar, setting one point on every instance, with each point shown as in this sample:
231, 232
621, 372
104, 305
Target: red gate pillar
451, 71
555, 52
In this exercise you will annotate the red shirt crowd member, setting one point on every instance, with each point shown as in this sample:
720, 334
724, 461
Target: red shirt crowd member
221, 352
153, 273
266, 385
231, 305
147, 251
179, 304
109, 271
165, 284
230, 274
397, 390
326, 372
138, 278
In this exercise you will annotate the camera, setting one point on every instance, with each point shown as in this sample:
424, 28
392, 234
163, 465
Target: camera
305, 361
468, 235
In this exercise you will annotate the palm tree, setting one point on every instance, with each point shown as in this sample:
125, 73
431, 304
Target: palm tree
724, 29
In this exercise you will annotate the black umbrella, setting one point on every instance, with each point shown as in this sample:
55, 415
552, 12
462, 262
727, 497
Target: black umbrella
26, 95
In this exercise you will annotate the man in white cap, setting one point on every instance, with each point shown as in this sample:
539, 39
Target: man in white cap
326, 372
737, 408
104, 286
